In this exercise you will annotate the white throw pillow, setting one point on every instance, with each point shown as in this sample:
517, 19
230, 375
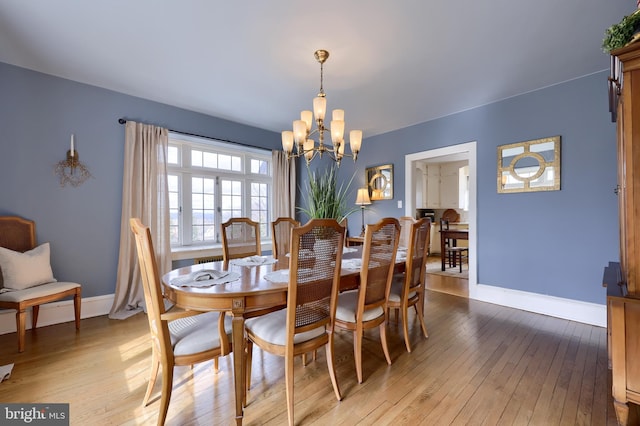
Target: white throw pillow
28, 269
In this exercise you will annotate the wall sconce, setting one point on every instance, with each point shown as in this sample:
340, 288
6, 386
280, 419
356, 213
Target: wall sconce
362, 199
71, 171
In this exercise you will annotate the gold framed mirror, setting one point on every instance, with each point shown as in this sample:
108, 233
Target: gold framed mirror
380, 182
529, 166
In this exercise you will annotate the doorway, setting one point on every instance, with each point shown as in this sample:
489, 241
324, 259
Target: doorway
465, 151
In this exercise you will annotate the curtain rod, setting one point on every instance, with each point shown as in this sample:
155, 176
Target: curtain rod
123, 121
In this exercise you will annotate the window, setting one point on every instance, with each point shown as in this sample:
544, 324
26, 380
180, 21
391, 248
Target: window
211, 182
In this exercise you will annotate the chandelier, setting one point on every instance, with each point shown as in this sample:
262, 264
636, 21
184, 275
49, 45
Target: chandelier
302, 133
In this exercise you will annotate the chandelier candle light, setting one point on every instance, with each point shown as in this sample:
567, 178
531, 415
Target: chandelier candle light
302, 132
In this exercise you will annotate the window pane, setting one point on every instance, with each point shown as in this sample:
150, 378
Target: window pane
260, 206
172, 155
236, 202
208, 201
202, 208
174, 209
172, 183
259, 167
236, 187
210, 160
236, 164
224, 162
196, 201
196, 158
196, 184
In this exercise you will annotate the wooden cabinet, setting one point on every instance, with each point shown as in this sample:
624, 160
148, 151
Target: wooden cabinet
433, 186
444, 184
623, 284
449, 186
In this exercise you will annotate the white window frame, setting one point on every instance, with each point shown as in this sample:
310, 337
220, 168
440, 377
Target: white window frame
184, 170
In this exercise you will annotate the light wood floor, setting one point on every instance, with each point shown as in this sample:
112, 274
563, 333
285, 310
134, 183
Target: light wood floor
482, 364
446, 284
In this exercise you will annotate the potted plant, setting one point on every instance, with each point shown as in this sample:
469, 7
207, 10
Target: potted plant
324, 198
622, 33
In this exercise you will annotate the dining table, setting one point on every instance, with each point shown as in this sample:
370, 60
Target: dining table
452, 234
248, 296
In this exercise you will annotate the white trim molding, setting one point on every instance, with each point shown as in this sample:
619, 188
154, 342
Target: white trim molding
58, 312
569, 309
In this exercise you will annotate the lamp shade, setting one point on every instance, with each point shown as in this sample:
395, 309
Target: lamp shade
362, 199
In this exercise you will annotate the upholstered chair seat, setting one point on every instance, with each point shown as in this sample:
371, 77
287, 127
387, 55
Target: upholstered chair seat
198, 333
37, 291
396, 290
347, 306
272, 328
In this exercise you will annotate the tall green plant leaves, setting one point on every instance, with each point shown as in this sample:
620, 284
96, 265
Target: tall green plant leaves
324, 198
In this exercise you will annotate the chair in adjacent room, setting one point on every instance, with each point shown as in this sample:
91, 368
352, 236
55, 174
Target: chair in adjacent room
240, 238
454, 254
308, 321
177, 338
26, 278
281, 235
408, 288
366, 307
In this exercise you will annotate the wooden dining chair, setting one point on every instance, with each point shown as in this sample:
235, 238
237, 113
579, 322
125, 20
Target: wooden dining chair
308, 321
366, 307
281, 235
18, 235
453, 253
240, 238
407, 289
177, 338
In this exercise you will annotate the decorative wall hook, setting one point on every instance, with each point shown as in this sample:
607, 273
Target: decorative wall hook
71, 171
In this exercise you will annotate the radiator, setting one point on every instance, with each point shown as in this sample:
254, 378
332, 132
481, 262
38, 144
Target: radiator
199, 260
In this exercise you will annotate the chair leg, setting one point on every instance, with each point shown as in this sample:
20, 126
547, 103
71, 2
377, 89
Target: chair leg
77, 303
288, 374
332, 368
420, 312
35, 310
405, 326
357, 352
215, 365
21, 319
383, 339
167, 386
155, 366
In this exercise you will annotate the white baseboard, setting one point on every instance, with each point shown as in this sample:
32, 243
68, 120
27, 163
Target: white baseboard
573, 310
58, 312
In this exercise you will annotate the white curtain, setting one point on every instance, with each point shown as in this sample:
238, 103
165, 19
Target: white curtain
144, 195
284, 185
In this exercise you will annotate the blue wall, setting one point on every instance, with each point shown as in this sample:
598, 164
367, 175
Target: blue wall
38, 113
554, 243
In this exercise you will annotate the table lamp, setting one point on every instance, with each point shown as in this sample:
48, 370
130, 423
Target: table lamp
362, 199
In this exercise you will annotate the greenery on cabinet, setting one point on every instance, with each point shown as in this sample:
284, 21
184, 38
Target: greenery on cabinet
622, 33
324, 198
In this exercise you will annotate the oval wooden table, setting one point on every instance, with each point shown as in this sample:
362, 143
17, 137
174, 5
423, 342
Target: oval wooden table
248, 296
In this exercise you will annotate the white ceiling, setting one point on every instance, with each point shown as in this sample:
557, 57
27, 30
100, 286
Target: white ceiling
393, 63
